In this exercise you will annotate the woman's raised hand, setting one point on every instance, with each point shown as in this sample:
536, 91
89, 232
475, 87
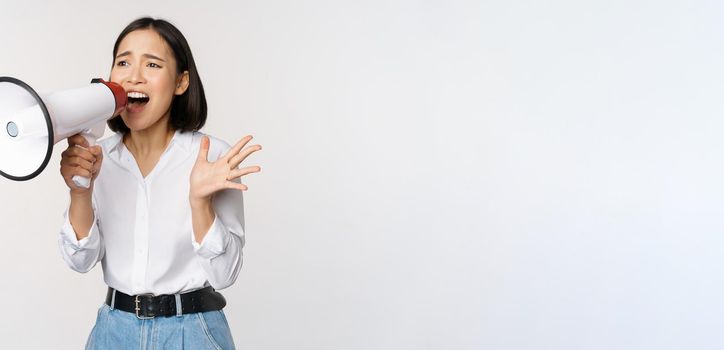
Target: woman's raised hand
210, 177
83, 161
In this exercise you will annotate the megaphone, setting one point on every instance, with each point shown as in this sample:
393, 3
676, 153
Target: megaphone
31, 125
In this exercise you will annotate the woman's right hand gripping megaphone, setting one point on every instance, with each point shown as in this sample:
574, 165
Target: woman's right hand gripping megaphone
84, 161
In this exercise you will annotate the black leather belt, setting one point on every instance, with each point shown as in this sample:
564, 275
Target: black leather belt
149, 306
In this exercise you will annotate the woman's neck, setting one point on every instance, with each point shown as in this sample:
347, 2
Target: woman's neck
150, 141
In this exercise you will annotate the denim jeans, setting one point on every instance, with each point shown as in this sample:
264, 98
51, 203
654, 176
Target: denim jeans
116, 329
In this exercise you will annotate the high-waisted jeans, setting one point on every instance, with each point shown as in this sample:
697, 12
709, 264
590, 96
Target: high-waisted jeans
116, 329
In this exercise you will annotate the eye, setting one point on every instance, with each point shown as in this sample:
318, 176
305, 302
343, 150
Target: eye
121, 63
153, 65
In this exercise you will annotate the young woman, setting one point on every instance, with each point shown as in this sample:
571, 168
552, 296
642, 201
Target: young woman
164, 212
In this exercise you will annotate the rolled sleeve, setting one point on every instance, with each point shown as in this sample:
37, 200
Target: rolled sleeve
70, 240
80, 255
220, 251
214, 242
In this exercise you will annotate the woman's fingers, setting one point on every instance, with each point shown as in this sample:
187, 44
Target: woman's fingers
235, 173
237, 159
96, 168
76, 161
97, 151
79, 152
70, 171
80, 161
237, 147
85, 159
78, 140
236, 186
204, 149
206, 177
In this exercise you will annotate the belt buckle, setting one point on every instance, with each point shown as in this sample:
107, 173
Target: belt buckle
138, 302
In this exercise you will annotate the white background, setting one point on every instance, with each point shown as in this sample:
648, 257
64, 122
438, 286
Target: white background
436, 174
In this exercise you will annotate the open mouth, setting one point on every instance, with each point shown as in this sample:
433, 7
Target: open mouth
136, 101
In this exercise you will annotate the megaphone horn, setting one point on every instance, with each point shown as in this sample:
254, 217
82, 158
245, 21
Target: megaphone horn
31, 125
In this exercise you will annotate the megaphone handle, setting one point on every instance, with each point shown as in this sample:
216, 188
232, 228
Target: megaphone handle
78, 180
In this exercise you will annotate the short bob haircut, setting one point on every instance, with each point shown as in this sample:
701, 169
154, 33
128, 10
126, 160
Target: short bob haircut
188, 111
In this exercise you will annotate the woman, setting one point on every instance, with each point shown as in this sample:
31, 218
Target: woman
164, 212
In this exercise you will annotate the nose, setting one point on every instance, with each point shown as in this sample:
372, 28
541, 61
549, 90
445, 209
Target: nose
135, 76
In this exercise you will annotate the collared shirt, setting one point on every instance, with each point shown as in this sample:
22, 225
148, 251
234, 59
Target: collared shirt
142, 232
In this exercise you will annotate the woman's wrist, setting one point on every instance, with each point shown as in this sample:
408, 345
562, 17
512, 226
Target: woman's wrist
200, 203
81, 195
202, 217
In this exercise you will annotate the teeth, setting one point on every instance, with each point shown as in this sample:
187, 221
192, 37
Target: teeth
134, 94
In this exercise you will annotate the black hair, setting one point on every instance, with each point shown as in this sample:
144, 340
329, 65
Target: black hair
188, 111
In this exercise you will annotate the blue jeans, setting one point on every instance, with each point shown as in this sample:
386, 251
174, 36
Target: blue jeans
116, 329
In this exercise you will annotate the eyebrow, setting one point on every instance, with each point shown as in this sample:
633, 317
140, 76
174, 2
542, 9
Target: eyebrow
126, 53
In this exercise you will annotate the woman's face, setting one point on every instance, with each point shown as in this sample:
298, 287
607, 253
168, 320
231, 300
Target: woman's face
146, 67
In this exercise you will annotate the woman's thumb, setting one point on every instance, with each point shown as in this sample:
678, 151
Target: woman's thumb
204, 148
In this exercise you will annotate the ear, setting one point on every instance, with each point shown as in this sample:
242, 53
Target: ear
182, 83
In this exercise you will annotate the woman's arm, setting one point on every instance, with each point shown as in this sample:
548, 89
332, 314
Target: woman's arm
81, 214
217, 211
80, 242
80, 159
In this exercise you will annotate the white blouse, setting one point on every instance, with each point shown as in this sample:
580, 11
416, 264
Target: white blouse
142, 232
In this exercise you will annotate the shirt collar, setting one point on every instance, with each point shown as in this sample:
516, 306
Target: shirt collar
182, 139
